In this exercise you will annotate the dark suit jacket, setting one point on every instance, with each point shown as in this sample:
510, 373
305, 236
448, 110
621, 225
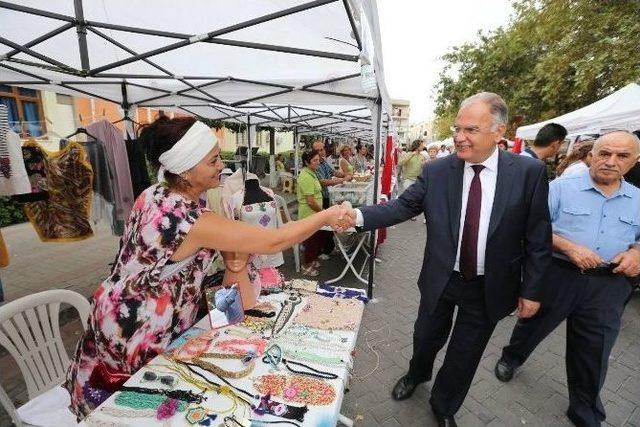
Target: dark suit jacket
519, 239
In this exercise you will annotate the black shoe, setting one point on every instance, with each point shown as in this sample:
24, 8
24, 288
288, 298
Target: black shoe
404, 388
504, 371
446, 421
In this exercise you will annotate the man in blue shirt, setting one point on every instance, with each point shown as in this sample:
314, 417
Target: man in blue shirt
595, 218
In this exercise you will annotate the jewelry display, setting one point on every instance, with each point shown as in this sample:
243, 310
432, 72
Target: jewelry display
285, 314
282, 410
302, 286
221, 372
238, 332
184, 371
273, 356
340, 292
231, 345
183, 395
296, 388
194, 347
199, 415
298, 353
257, 325
150, 376
304, 336
326, 313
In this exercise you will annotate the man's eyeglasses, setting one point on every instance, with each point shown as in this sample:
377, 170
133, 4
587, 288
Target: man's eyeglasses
468, 131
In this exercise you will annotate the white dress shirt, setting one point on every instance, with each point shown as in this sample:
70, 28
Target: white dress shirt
488, 177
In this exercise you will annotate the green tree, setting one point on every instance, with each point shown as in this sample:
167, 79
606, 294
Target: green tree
554, 57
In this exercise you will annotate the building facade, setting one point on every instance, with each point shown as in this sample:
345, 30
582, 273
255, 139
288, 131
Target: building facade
401, 109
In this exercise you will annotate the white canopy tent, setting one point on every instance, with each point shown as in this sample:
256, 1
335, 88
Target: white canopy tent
315, 66
620, 110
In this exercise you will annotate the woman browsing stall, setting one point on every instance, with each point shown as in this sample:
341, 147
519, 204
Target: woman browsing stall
310, 202
154, 289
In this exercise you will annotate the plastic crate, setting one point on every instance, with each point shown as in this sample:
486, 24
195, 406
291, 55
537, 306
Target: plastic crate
357, 193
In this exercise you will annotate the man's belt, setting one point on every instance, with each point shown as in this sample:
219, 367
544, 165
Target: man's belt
604, 270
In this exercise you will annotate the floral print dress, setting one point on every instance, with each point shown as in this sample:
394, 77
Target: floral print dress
135, 313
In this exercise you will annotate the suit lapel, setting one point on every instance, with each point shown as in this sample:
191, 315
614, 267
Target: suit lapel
454, 184
503, 189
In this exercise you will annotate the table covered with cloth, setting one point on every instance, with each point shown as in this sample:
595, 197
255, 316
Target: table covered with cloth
287, 363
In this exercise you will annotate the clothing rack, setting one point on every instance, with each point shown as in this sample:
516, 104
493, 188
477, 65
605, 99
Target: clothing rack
81, 131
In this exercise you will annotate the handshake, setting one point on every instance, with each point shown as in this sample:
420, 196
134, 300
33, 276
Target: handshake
340, 217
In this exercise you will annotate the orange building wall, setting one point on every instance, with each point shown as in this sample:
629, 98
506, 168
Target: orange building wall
109, 111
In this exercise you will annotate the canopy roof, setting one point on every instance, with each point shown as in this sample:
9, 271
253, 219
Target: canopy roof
219, 59
620, 110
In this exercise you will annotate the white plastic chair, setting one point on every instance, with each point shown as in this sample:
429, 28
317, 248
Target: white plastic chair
282, 204
30, 331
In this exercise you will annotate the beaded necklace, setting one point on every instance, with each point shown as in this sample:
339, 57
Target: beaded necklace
257, 325
238, 332
285, 314
326, 313
296, 388
259, 344
273, 356
299, 354
221, 372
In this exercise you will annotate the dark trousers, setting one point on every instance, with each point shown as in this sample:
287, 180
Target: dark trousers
592, 306
329, 245
469, 338
312, 247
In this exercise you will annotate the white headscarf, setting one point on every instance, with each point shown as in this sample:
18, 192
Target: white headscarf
188, 151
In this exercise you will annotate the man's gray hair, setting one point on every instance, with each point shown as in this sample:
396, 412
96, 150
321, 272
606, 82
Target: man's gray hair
633, 137
499, 109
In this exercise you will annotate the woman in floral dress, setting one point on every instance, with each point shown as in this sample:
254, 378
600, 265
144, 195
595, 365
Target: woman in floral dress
154, 289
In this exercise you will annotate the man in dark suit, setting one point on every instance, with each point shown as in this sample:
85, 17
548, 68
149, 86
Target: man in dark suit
488, 244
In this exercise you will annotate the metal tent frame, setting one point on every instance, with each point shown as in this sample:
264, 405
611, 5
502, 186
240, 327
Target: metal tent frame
202, 95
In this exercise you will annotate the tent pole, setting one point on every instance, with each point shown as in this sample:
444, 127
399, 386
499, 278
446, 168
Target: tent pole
81, 28
296, 150
273, 179
376, 179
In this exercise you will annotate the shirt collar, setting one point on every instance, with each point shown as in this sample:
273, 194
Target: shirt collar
587, 184
490, 163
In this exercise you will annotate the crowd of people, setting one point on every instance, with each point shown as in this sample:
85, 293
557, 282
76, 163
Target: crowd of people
314, 180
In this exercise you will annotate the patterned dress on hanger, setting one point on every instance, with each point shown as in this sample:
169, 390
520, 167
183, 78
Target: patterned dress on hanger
64, 216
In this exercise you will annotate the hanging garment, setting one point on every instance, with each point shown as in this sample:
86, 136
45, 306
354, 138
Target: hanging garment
262, 214
105, 132
34, 158
137, 167
65, 215
103, 201
18, 180
5, 160
4, 253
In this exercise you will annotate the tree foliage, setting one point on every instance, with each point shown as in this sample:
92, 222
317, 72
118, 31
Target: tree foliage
555, 56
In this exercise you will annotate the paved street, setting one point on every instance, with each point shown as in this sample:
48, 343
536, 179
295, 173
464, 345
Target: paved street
537, 396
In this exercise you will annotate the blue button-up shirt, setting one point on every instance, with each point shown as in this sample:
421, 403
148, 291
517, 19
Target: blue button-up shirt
325, 171
581, 213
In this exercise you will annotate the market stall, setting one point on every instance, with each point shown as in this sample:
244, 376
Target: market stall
618, 111
288, 362
210, 59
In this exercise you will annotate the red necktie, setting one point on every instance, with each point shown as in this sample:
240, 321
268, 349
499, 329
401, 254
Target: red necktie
469, 243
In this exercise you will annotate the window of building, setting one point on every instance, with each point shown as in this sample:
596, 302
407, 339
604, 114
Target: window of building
26, 116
